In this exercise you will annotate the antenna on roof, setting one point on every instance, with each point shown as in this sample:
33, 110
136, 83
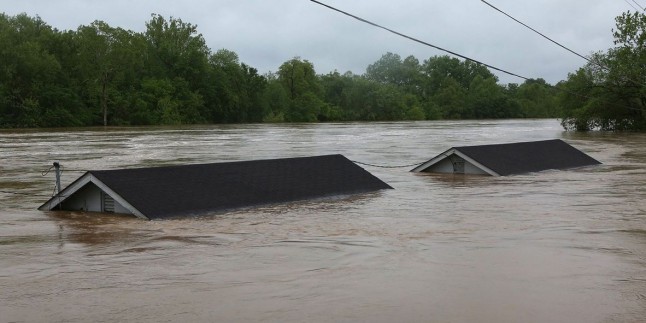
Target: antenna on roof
57, 169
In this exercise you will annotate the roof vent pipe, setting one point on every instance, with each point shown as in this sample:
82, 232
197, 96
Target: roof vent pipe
57, 168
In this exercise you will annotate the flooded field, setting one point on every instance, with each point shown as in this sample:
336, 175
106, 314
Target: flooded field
556, 246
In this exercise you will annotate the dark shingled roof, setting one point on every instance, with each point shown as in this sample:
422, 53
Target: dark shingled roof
514, 158
524, 157
527, 157
164, 192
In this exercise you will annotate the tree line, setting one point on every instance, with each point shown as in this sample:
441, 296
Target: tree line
104, 75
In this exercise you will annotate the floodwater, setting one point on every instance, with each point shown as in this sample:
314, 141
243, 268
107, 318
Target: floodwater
556, 246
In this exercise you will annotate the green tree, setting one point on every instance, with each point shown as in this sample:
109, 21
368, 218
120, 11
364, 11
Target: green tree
237, 88
109, 60
300, 81
228, 82
358, 98
335, 87
177, 49
580, 100
537, 99
254, 87
387, 70
412, 76
298, 77
305, 108
34, 89
391, 69
486, 100
451, 99
275, 100
438, 68
613, 85
445, 83
177, 52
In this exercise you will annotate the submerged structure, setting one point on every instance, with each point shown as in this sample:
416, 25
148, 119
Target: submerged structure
176, 191
507, 159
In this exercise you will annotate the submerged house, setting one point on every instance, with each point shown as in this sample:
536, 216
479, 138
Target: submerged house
175, 191
507, 159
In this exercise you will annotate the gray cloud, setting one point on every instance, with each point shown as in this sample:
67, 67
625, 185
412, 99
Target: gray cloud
266, 33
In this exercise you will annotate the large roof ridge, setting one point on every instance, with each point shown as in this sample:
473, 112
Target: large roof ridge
171, 191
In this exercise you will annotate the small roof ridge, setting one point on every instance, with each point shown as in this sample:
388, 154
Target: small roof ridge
520, 157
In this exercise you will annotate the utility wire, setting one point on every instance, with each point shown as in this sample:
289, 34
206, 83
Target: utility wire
461, 56
45, 172
640, 6
386, 166
595, 62
536, 31
630, 4
420, 41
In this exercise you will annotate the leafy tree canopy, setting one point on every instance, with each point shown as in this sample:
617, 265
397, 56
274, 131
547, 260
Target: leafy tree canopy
609, 93
104, 75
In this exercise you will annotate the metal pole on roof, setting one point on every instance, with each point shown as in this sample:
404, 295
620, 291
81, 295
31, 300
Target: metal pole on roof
57, 168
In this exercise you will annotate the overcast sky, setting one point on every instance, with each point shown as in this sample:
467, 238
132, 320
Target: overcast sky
266, 33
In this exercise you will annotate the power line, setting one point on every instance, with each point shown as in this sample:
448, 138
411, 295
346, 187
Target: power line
640, 6
420, 41
536, 31
459, 55
595, 62
630, 4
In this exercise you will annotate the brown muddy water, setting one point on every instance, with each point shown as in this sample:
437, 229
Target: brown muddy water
556, 246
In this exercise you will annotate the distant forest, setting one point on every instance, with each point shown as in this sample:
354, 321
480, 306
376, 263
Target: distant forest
104, 75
